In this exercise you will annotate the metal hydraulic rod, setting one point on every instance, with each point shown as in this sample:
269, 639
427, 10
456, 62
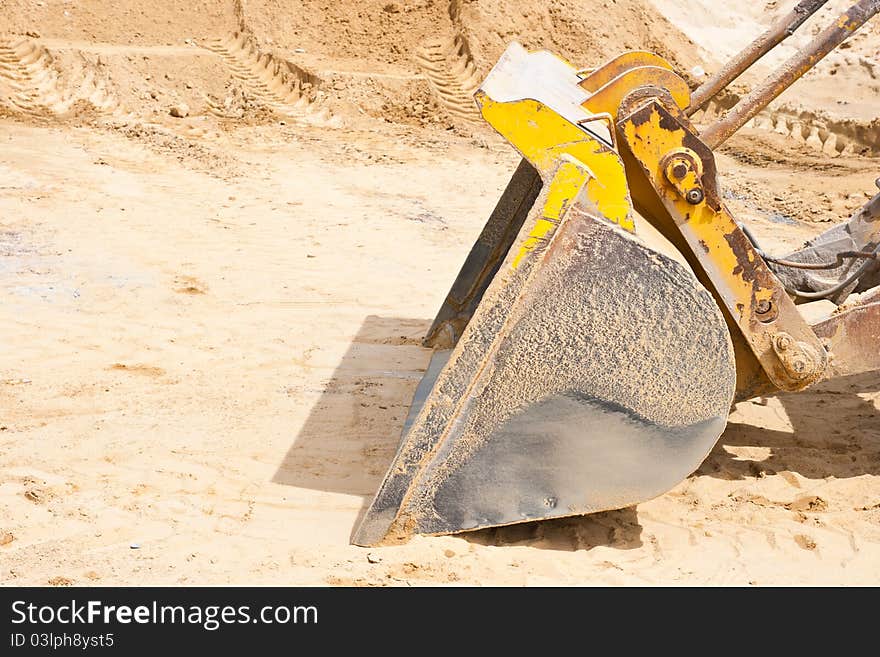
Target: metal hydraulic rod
776, 34
786, 75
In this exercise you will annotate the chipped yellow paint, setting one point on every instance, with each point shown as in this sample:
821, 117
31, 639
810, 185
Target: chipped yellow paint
650, 142
690, 180
707, 232
568, 181
543, 137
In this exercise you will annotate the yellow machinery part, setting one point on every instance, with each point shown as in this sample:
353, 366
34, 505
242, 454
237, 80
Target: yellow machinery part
589, 371
593, 79
780, 338
543, 137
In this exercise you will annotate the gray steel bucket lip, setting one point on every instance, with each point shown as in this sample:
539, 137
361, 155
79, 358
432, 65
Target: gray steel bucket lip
403, 504
547, 461
373, 523
438, 361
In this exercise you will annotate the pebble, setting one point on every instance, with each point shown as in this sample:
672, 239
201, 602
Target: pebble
180, 111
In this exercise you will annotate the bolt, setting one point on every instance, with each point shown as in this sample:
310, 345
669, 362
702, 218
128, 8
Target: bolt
679, 169
763, 307
783, 342
694, 196
799, 365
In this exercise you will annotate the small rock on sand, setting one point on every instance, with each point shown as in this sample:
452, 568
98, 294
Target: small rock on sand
180, 111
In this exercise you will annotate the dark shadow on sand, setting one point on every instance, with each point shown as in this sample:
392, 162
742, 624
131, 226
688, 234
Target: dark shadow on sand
352, 433
835, 433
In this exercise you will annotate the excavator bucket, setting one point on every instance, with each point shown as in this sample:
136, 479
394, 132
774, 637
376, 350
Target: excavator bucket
579, 366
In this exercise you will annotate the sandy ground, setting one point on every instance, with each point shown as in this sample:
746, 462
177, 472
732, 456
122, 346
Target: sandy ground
213, 323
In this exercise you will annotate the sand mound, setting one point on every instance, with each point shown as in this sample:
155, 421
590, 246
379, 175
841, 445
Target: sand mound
38, 84
391, 32
416, 62
275, 83
129, 22
585, 33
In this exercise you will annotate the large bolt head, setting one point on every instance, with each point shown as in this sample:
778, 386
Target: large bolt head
694, 196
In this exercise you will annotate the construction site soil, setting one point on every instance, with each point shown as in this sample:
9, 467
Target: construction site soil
226, 225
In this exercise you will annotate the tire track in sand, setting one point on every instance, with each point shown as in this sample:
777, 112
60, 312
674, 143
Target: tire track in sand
31, 83
822, 134
450, 69
275, 83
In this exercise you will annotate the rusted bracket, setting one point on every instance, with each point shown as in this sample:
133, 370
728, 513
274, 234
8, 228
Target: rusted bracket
681, 170
851, 335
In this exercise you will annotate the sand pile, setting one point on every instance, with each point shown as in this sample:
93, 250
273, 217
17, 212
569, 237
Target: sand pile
415, 62
122, 22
